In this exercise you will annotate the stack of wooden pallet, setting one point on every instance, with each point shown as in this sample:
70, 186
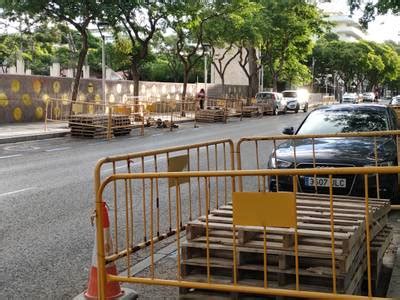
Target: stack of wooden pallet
121, 125
250, 111
210, 115
88, 125
314, 246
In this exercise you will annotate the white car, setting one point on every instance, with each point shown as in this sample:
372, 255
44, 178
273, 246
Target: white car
296, 100
368, 97
350, 98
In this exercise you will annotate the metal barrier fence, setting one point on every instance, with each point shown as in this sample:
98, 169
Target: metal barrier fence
169, 109
212, 155
94, 119
232, 107
301, 153
266, 243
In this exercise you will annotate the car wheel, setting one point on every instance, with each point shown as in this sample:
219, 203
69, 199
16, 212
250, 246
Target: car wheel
305, 109
296, 110
284, 110
274, 112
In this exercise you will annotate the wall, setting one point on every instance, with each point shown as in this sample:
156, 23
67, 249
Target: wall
23, 97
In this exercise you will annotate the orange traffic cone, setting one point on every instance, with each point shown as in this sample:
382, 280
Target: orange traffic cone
113, 289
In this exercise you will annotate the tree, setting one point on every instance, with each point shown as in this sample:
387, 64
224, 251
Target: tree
78, 14
373, 8
288, 28
188, 20
223, 35
141, 20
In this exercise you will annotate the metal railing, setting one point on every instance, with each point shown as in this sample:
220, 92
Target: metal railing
263, 152
93, 118
212, 155
272, 235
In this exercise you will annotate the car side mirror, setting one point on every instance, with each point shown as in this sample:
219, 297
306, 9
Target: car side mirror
288, 130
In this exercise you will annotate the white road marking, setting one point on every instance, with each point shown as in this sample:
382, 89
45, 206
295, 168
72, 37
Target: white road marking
157, 134
10, 156
17, 191
58, 149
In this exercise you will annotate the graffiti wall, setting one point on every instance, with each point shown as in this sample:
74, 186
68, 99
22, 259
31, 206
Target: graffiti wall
23, 98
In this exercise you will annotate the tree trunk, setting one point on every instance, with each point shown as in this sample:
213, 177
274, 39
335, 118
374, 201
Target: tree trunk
223, 86
253, 71
275, 82
185, 82
81, 60
135, 78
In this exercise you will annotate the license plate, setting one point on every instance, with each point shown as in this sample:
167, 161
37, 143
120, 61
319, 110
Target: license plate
324, 182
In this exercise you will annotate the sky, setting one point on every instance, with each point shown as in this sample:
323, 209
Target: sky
383, 28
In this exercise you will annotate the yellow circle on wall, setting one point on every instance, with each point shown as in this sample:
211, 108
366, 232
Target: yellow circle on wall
97, 98
56, 86
39, 113
46, 98
90, 88
15, 86
57, 112
82, 98
37, 86
26, 99
64, 99
17, 114
3, 100
111, 99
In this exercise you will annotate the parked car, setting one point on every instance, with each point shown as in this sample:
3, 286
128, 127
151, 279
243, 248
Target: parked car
296, 100
395, 100
368, 97
270, 102
350, 98
341, 152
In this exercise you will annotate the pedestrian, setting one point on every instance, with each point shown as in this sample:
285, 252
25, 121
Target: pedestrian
201, 97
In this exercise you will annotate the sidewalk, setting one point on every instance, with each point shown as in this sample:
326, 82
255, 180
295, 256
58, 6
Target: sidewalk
12, 133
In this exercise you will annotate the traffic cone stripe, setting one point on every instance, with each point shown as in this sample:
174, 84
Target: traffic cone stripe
112, 289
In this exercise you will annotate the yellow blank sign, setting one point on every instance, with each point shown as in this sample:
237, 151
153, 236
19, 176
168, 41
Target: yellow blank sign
264, 209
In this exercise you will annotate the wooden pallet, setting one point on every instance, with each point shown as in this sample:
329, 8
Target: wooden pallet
314, 245
250, 111
210, 115
379, 245
88, 125
121, 125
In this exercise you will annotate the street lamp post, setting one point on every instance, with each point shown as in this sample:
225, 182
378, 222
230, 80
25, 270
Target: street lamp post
205, 75
103, 61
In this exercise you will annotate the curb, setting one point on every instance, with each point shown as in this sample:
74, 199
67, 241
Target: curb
24, 138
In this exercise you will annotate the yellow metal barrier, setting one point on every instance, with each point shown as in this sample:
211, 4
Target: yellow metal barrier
92, 119
231, 107
304, 245
212, 155
258, 151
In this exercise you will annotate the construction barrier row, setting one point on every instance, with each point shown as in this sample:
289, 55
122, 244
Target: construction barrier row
234, 234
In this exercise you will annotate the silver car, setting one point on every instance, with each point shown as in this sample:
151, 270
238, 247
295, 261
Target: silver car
296, 100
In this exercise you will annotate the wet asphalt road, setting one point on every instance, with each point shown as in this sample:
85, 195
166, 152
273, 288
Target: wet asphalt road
47, 196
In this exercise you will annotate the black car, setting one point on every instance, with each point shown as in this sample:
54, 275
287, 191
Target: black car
341, 152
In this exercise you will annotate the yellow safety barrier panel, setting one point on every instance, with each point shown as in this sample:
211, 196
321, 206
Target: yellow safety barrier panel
293, 244
208, 156
93, 119
261, 153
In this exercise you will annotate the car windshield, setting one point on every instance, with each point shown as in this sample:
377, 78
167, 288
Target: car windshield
336, 121
265, 96
289, 94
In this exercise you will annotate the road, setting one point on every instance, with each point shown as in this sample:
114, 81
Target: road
47, 195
